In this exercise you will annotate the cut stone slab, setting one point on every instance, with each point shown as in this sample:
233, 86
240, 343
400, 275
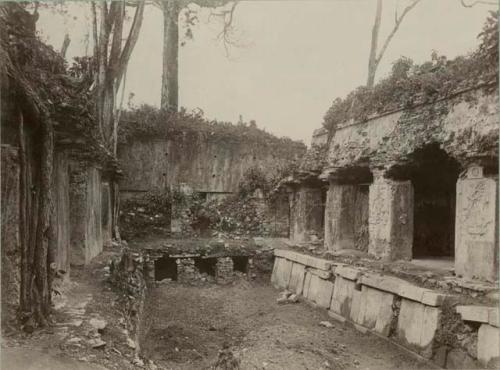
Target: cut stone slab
320, 273
348, 272
417, 325
320, 291
304, 259
375, 309
307, 284
488, 344
476, 313
386, 283
297, 277
281, 273
342, 296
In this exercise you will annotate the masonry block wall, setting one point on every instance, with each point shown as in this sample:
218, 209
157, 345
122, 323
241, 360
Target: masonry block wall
205, 165
393, 308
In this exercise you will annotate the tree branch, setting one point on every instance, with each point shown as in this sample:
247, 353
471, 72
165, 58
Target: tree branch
492, 3
131, 41
395, 29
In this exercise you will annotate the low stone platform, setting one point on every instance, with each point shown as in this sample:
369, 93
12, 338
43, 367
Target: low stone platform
426, 322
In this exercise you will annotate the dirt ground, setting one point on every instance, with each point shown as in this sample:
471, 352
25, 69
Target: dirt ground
194, 324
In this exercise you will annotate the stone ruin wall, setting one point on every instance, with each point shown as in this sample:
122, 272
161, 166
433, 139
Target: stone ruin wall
465, 125
203, 164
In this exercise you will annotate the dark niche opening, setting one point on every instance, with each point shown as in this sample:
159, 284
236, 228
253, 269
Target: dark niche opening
240, 263
206, 265
434, 175
165, 268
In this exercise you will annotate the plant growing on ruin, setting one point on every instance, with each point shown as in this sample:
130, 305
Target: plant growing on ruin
409, 84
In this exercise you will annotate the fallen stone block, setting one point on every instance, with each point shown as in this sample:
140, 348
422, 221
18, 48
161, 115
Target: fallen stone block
326, 324
412, 292
488, 344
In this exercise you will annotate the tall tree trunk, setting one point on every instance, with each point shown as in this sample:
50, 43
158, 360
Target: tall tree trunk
42, 290
170, 77
373, 62
65, 45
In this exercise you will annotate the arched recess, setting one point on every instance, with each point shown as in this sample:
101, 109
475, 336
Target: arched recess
434, 174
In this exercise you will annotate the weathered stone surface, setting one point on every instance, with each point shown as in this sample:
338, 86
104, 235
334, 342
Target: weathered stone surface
281, 273
342, 297
346, 217
304, 259
417, 325
306, 214
390, 219
372, 308
350, 273
307, 284
476, 243
475, 313
458, 359
488, 344
297, 276
321, 273
85, 213
320, 291
386, 283
62, 212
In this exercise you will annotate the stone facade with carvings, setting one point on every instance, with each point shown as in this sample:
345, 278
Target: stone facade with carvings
417, 183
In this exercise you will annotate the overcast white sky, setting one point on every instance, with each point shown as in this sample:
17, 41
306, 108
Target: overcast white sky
298, 55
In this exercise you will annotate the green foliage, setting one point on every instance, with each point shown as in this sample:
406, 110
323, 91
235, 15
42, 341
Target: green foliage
147, 121
146, 214
409, 84
254, 178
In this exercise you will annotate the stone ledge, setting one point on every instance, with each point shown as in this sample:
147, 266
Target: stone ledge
483, 314
403, 289
304, 259
320, 273
348, 272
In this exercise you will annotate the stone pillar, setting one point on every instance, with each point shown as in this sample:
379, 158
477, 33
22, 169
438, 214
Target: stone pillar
307, 214
476, 228
186, 270
390, 218
339, 217
224, 269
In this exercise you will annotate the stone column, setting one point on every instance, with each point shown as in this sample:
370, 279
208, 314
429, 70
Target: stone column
476, 228
390, 218
339, 216
307, 214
